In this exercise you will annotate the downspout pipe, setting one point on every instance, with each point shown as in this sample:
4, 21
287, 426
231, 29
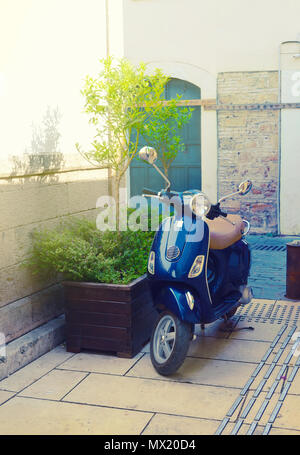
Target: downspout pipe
279, 139
280, 123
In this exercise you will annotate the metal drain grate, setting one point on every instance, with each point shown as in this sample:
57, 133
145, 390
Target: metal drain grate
288, 312
268, 247
242, 406
255, 310
273, 313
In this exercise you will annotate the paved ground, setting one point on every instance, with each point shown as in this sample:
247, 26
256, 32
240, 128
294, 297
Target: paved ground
237, 379
231, 382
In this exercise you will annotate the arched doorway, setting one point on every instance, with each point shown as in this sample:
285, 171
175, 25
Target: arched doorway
185, 171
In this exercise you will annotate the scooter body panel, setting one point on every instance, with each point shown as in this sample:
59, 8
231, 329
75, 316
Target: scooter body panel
239, 262
175, 299
176, 246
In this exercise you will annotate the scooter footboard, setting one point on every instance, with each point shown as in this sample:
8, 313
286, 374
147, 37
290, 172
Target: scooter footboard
183, 303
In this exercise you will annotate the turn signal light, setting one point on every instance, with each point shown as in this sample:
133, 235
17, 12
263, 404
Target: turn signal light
151, 263
197, 266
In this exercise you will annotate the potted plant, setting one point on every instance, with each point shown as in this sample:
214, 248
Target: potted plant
108, 305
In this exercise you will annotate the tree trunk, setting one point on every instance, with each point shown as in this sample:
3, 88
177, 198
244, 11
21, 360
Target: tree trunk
166, 169
117, 199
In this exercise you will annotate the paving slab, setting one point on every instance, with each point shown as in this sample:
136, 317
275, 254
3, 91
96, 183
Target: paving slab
264, 330
284, 432
54, 385
99, 363
4, 396
243, 430
149, 395
30, 416
237, 350
162, 424
289, 414
199, 371
34, 370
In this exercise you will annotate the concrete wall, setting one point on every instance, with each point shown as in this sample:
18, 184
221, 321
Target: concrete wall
27, 301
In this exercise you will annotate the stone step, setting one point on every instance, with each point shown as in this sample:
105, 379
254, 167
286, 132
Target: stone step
30, 346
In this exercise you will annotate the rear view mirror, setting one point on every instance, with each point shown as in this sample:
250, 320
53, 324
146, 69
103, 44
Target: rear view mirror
245, 187
148, 154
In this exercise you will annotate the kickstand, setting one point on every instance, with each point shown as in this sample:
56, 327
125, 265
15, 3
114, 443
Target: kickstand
229, 327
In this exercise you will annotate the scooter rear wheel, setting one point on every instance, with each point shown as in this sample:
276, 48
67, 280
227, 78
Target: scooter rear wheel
169, 343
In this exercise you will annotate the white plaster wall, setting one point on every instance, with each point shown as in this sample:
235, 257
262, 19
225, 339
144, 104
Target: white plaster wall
219, 35
47, 49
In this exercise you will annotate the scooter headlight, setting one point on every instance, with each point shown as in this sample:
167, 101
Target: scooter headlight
151, 261
197, 266
200, 204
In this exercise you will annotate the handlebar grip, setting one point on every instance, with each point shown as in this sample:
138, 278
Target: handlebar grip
151, 192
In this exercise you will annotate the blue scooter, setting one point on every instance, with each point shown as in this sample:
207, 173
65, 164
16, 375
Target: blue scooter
198, 268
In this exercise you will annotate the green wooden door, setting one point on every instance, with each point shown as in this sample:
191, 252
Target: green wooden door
185, 171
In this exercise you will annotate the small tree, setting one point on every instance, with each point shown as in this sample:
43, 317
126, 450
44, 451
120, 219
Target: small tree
162, 131
119, 102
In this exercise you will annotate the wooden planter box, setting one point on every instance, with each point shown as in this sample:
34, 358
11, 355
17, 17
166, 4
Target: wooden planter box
107, 317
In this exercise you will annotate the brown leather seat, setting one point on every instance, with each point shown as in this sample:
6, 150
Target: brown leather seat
223, 233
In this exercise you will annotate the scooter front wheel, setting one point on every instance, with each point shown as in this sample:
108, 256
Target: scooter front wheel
169, 343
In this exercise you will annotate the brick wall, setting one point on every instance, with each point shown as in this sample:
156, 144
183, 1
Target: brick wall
248, 147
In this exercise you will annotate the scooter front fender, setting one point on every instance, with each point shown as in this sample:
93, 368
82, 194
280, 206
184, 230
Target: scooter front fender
175, 299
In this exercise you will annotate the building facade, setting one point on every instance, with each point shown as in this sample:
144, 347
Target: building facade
242, 56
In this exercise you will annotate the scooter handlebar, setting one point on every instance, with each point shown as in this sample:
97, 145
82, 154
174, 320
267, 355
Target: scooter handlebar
215, 211
149, 192
161, 194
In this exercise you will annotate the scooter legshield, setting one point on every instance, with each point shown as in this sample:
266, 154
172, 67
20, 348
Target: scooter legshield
176, 300
173, 288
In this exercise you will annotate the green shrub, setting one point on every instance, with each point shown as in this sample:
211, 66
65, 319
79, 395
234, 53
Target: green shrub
80, 252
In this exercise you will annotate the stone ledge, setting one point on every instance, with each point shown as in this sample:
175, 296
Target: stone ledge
29, 347
28, 313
